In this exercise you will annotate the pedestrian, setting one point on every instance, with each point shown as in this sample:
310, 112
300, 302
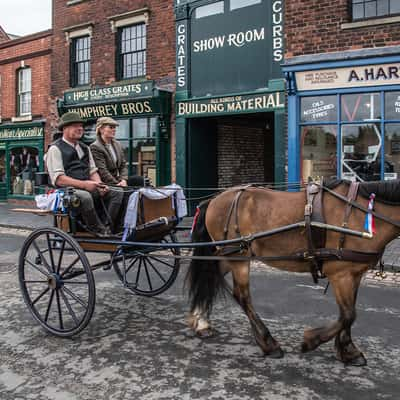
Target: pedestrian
70, 163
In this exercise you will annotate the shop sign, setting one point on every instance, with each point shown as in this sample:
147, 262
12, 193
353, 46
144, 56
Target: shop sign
21, 132
232, 104
238, 50
111, 93
368, 75
117, 110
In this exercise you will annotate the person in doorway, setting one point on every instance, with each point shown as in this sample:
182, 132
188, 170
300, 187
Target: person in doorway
108, 154
70, 163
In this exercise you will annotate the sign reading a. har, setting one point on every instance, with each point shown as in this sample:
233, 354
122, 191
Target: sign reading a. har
367, 75
110, 93
232, 104
236, 49
21, 132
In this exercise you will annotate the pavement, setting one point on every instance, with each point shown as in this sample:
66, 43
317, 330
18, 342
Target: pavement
27, 221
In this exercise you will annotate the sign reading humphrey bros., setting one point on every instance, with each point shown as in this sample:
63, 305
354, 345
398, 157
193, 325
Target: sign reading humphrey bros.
109, 93
232, 104
233, 47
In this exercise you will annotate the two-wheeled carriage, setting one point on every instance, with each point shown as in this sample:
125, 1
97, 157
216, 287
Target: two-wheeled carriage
56, 276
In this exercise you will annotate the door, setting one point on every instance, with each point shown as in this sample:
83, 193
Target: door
3, 183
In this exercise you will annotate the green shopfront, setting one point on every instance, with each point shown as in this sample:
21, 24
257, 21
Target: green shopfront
143, 113
230, 93
21, 155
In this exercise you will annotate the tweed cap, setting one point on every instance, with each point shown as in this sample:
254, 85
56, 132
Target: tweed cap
105, 121
70, 118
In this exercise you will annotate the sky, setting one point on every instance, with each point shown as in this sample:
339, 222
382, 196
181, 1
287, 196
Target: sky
23, 17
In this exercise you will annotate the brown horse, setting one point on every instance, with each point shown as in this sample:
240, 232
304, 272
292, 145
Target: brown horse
261, 209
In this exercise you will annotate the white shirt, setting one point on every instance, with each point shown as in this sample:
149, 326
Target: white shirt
54, 162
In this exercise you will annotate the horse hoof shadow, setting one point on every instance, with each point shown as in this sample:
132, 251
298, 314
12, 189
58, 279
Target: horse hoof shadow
359, 361
276, 353
206, 333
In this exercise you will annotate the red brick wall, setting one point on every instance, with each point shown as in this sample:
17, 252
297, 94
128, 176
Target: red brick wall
314, 26
160, 40
3, 36
34, 51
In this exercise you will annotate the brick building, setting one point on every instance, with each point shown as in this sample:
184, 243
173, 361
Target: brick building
24, 110
342, 66
117, 59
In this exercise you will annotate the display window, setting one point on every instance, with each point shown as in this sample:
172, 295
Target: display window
24, 162
2, 166
360, 131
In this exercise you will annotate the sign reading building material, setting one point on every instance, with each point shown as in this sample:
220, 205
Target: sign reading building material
232, 104
361, 76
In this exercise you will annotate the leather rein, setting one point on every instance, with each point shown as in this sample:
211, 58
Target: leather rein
316, 252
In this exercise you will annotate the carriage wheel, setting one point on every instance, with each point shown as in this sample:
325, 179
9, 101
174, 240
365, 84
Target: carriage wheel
149, 272
56, 281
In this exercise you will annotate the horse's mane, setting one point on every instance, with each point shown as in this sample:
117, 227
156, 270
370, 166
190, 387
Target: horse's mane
387, 192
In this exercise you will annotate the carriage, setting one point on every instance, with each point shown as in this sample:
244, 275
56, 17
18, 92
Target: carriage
56, 276
287, 230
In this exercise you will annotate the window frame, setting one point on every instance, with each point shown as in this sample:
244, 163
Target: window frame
376, 16
20, 92
74, 63
120, 55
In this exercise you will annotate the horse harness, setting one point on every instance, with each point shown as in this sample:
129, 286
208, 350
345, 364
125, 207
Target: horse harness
316, 252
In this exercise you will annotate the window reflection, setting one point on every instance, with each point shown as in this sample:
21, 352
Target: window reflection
392, 151
361, 107
24, 162
318, 152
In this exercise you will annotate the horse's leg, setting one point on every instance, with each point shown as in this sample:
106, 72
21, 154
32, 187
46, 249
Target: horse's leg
346, 296
345, 285
241, 293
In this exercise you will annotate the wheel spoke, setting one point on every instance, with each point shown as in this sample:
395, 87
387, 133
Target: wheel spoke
71, 311
75, 297
138, 271
40, 296
46, 274
70, 266
156, 271
42, 257
60, 257
74, 283
161, 261
131, 264
45, 282
59, 310
49, 306
50, 252
147, 274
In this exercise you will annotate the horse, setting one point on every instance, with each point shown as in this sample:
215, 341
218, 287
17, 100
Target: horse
243, 211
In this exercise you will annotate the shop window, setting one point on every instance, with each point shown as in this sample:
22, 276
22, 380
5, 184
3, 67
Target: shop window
361, 107
392, 151
235, 4
2, 166
210, 9
131, 62
392, 106
361, 149
318, 149
24, 162
364, 9
80, 61
318, 109
24, 91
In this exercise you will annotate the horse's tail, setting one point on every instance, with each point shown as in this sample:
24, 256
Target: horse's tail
204, 277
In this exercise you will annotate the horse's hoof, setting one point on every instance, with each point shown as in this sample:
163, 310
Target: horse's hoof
359, 361
276, 353
305, 347
205, 333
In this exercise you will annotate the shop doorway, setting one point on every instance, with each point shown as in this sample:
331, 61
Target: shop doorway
3, 176
229, 151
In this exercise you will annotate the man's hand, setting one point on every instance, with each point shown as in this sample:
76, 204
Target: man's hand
92, 186
102, 188
123, 183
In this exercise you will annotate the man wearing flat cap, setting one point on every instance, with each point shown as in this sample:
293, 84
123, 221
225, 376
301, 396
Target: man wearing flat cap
70, 164
108, 154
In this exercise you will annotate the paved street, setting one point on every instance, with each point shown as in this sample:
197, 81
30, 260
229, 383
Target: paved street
140, 348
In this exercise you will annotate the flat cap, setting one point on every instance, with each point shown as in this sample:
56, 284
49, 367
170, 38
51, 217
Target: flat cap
70, 118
